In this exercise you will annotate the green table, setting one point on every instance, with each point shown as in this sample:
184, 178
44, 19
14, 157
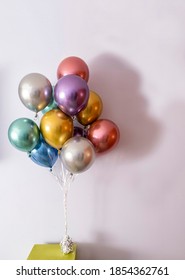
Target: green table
50, 252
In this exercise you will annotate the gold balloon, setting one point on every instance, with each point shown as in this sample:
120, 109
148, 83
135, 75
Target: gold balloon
92, 111
56, 128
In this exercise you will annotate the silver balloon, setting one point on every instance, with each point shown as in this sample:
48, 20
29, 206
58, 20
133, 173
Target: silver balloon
35, 91
77, 154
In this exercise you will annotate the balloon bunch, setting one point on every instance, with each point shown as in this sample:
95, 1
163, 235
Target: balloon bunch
70, 129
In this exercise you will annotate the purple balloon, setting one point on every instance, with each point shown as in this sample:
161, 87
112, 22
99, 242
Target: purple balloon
71, 93
79, 131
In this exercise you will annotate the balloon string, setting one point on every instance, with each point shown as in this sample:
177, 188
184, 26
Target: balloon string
36, 118
64, 179
64, 187
65, 212
67, 183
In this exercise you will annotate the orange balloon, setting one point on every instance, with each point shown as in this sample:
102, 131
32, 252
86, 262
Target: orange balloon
73, 65
56, 128
92, 111
104, 134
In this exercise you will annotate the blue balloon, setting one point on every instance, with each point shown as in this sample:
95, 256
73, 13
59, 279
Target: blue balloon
43, 154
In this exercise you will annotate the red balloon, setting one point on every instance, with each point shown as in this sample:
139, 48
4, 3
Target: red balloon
73, 65
104, 134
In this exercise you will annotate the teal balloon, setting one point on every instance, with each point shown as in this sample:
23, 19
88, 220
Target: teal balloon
24, 134
50, 107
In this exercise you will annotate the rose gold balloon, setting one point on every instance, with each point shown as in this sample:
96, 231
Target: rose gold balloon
73, 65
104, 134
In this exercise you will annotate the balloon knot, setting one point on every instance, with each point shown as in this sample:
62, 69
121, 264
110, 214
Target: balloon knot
36, 117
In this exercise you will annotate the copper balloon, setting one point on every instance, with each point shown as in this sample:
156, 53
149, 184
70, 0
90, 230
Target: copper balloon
104, 134
92, 111
73, 65
56, 128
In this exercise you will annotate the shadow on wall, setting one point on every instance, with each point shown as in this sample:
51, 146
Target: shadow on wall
89, 251
119, 86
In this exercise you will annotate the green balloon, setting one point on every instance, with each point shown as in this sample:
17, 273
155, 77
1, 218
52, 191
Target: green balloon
24, 134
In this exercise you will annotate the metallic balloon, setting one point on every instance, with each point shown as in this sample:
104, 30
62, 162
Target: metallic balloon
71, 94
56, 128
79, 131
77, 154
92, 111
104, 134
35, 91
23, 134
52, 105
43, 154
73, 65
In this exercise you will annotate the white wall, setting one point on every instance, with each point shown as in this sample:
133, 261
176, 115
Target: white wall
131, 203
